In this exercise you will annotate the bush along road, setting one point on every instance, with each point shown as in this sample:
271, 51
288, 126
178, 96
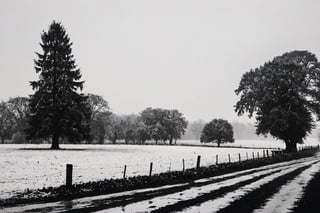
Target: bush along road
247, 186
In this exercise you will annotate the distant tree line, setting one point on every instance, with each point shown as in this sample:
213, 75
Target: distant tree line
58, 111
283, 96
159, 125
156, 124
151, 124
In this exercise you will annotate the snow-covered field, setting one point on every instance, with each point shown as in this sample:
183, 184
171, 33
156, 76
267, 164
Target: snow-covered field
221, 191
35, 166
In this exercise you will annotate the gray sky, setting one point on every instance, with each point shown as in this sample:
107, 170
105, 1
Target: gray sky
188, 55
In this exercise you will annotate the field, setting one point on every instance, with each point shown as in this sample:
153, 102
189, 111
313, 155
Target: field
279, 187
35, 166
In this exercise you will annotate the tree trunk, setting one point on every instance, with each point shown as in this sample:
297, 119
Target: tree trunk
55, 141
170, 141
101, 139
2, 139
219, 143
101, 135
291, 146
156, 142
114, 140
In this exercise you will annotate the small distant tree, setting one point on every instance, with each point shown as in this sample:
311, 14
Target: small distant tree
283, 94
175, 124
129, 127
141, 132
100, 113
152, 119
19, 107
217, 131
57, 108
7, 122
158, 132
164, 124
115, 128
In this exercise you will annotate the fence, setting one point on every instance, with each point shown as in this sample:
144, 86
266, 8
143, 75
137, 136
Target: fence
240, 158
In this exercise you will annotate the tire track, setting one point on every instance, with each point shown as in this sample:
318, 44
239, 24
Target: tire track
253, 194
177, 201
284, 200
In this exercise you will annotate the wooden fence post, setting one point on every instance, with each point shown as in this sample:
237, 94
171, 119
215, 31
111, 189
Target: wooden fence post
198, 161
239, 157
264, 153
69, 176
267, 153
247, 155
258, 155
183, 165
217, 159
124, 171
150, 172
229, 158
253, 155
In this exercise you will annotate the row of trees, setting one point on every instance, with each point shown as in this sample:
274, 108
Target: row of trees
59, 110
151, 124
283, 95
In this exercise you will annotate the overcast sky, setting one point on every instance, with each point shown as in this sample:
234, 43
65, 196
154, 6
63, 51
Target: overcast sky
185, 55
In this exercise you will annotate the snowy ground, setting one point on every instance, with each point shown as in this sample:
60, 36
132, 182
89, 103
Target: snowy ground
35, 166
155, 199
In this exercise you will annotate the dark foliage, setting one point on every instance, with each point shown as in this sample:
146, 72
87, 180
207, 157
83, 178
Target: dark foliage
57, 109
100, 116
7, 122
284, 95
164, 124
218, 131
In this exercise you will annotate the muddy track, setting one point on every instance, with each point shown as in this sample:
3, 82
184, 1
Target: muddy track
310, 200
257, 197
189, 197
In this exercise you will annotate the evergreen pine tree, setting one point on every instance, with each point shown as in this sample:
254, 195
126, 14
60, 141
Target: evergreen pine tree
57, 108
